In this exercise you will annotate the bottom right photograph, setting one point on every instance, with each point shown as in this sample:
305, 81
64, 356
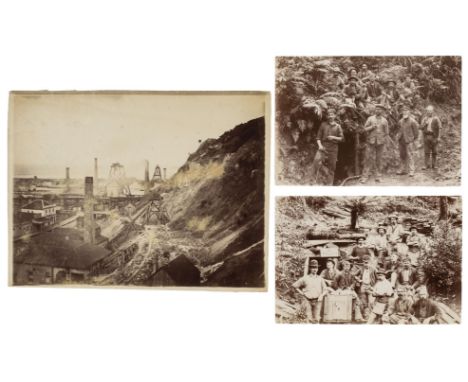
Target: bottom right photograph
369, 260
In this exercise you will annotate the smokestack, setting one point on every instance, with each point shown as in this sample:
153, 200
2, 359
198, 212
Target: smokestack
96, 171
164, 169
146, 171
88, 208
67, 173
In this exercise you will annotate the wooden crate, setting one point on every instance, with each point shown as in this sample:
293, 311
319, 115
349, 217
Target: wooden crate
337, 308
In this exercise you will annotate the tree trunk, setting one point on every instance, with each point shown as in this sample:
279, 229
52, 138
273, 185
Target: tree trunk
443, 208
354, 218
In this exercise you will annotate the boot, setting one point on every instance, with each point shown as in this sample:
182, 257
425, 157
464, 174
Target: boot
434, 161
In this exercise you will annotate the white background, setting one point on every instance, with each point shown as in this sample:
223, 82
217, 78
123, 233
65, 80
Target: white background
130, 335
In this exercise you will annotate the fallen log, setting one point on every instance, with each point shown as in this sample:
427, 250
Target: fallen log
335, 214
448, 315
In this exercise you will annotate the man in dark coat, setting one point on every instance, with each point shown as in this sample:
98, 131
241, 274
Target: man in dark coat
407, 135
329, 136
431, 127
426, 310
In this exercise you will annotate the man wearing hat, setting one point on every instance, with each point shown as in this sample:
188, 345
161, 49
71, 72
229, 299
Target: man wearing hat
313, 288
329, 136
382, 291
407, 135
400, 311
414, 243
424, 309
376, 128
430, 127
364, 73
404, 276
366, 279
345, 283
391, 94
394, 232
380, 245
352, 90
374, 90
361, 250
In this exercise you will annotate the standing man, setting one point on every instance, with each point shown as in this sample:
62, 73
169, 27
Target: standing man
380, 245
394, 233
376, 128
345, 284
367, 278
313, 288
329, 136
330, 273
430, 127
407, 135
374, 90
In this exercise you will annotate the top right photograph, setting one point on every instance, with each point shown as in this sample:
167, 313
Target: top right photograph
368, 120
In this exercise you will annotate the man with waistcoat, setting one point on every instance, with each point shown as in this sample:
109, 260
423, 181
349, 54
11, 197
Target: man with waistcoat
376, 128
407, 135
430, 127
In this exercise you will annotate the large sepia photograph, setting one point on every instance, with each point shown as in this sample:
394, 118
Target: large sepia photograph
142, 189
370, 259
390, 121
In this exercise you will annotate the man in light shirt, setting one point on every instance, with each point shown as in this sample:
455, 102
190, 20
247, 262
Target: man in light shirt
313, 288
382, 292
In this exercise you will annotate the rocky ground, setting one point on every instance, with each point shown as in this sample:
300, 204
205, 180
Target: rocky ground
215, 207
296, 217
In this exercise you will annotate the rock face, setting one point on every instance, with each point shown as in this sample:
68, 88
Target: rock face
215, 206
219, 196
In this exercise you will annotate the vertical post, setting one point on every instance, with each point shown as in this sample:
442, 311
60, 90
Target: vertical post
89, 210
96, 171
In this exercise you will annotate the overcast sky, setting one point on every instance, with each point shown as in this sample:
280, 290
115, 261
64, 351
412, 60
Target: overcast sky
54, 131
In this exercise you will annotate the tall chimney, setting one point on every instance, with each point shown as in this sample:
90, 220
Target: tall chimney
96, 171
67, 179
88, 207
164, 169
146, 171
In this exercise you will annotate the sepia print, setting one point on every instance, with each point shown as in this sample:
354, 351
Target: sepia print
387, 121
148, 189
370, 259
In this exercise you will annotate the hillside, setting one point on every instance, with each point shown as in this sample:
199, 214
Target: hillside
215, 207
307, 87
300, 219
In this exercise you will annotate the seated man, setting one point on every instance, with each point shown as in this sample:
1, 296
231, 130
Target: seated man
330, 273
405, 275
400, 310
345, 283
424, 309
382, 291
312, 287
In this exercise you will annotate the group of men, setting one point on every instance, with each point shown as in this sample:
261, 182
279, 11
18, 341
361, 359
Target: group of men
381, 274
415, 128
